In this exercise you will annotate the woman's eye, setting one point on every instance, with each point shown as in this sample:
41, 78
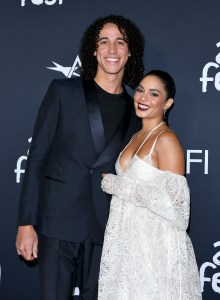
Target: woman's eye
154, 94
139, 90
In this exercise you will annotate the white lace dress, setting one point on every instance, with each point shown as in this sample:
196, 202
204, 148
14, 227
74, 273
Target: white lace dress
147, 254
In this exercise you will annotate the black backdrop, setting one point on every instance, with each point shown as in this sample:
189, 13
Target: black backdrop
182, 37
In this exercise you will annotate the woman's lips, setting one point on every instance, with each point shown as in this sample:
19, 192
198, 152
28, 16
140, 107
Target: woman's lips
143, 107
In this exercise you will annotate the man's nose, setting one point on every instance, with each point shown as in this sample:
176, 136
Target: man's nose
112, 48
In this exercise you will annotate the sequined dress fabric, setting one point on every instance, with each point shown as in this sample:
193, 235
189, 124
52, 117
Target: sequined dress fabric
147, 253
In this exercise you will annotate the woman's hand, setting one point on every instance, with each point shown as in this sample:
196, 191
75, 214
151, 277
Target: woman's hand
109, 183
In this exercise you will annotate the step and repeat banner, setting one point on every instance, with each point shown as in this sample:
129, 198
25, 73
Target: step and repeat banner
40, 42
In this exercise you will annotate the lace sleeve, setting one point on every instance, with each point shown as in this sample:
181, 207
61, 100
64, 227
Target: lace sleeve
178, 191
118, 185
168, 198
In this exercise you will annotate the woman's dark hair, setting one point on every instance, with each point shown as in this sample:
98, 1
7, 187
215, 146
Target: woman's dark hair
169, 86
134, 67
167, 80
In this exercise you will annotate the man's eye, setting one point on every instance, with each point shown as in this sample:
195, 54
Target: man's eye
121, 43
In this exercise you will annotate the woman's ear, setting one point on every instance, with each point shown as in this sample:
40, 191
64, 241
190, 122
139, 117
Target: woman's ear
168, 103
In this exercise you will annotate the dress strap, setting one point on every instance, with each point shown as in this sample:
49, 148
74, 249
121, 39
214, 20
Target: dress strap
149, 134
154, 143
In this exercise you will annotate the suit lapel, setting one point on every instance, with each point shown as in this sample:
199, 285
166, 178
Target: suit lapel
95, 118
134, 126
125, 130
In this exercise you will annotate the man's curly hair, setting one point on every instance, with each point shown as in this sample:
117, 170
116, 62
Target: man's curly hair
134, 67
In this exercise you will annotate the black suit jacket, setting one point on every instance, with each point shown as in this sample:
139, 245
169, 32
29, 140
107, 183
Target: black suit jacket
61, 192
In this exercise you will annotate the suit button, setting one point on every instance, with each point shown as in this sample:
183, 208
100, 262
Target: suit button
91, 171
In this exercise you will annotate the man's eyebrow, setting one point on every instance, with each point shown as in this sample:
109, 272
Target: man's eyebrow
102, 38
106, 38
121, 38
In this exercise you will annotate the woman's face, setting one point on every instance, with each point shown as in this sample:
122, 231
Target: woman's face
150, 98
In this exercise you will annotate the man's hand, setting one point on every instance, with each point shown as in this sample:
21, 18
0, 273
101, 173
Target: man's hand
27, 242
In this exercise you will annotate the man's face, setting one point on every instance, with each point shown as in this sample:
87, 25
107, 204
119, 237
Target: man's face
112, 52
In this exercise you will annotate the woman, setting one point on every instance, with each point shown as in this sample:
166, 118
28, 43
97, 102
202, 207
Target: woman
147, 254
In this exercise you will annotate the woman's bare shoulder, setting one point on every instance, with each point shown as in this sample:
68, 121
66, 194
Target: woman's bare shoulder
170, 153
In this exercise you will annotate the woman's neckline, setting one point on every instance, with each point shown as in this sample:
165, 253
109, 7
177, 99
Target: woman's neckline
152, 130
152, 167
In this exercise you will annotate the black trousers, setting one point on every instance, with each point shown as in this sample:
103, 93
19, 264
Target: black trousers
64, 265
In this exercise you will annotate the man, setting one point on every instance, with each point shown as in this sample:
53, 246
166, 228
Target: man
81, 127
